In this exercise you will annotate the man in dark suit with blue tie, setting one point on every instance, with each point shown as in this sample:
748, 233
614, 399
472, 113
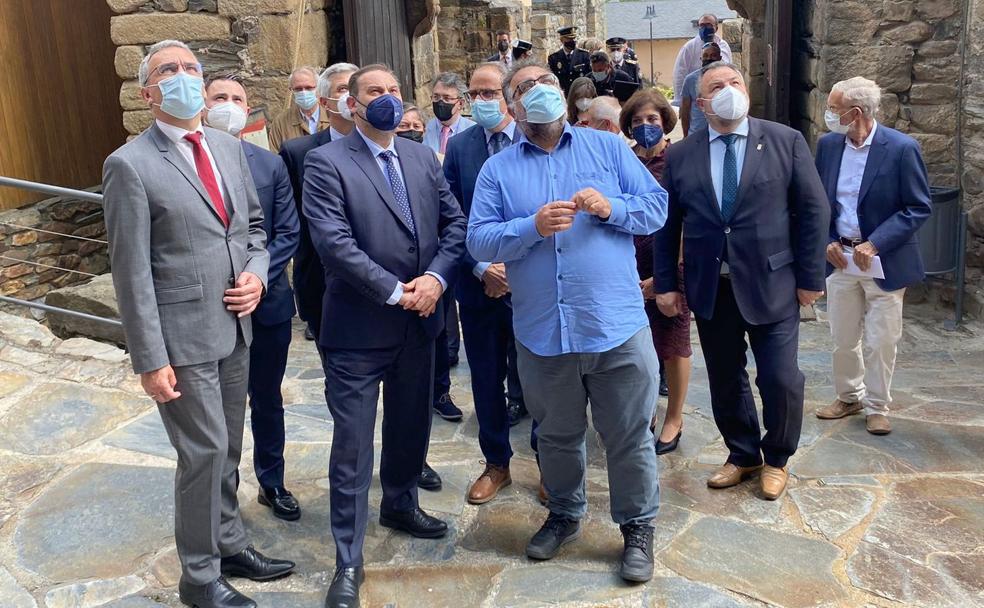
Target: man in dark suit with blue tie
227, 110
390, 235
754, 218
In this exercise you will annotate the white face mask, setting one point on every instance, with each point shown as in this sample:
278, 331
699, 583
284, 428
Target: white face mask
343, 109
617, 56
226, 116
833, 121
729, 104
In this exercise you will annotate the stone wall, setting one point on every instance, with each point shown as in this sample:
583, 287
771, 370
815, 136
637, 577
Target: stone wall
258, 40
971, 140
28, 247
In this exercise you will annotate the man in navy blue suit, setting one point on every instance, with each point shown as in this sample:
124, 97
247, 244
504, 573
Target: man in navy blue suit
227, 109
879, 197
482, 288
389, 234
754, 216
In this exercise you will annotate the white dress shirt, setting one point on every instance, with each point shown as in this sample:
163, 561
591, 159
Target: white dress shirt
717, 151
688, 60
849, 185
186, 150
510, 131
375, 149
335, 134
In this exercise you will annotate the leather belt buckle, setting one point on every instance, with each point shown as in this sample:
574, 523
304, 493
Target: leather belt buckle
850, 242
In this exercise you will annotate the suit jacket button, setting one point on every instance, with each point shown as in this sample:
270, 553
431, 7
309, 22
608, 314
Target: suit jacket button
231, 281
412, 249
727, 229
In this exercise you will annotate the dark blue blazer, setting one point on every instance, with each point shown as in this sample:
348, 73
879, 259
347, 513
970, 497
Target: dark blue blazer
281, 227
775, 240
466, 154
309, 275
366, 245
893, 204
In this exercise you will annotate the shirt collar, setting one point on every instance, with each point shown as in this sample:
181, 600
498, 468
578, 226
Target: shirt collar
867, 142
176, 134
374, 148
510, 132
315, 116
335, 134
565, 137
741, 130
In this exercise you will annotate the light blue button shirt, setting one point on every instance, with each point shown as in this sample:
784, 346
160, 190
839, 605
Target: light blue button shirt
432, 131
718, 148
313, 120
375, 149
578, 290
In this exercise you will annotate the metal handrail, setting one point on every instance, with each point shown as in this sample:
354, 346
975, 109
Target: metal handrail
61, 311
49, 189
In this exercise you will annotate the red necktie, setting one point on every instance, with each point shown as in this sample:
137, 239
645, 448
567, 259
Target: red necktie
205, 173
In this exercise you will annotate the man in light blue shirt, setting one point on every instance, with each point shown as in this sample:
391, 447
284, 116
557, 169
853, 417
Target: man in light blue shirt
691, 115
560, 208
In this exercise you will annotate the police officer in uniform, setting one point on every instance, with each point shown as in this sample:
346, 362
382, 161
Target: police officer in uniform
569, 62
620, 58
521, 50
609, 80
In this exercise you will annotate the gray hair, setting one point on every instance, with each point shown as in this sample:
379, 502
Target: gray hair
862, 93
451, 80
717, 65
143, 74
507, 91
324, 81
304, 69
605, 107
491, 65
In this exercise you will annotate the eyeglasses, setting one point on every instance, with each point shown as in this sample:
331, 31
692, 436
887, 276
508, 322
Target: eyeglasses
526, 85
173, 67
445, 98
486, 94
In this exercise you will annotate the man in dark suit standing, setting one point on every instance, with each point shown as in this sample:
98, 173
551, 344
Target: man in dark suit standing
309, 276
503, 48
569, 62
879, 197
390, 234
754, 218
228, 108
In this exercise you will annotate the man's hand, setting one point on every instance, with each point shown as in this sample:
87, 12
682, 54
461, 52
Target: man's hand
593, 202
159, 384
670, 303
647, 289
495, 281
863, 254
409, 298
807, 297
244, 297
835, 255
428, 291
555, 217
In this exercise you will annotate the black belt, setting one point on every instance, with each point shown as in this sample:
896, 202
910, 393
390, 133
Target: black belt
850, 242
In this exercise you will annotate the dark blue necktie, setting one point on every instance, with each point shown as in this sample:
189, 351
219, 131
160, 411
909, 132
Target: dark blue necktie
399, 188
729, 186
498, 142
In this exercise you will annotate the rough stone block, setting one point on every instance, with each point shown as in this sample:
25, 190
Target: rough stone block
25, 332
940, 118
17, 270
932, 49
97, 297
14, 595
889, 112
270, 92
897, 10
853, 23
127, 61
242, 8
206, 6
889, 66
937, 9
909, 33
125, 6
279, 32
923, 93
92, 593
153, 27
27, 237
136, 122
130, 97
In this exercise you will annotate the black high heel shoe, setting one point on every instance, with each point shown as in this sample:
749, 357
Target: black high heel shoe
669, 446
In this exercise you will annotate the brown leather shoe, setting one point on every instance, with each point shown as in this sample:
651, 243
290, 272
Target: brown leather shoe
877, 424
839, 409
488, 484
541, 494
730, 475
773, 481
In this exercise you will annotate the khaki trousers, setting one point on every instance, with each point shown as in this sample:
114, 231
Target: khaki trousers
866, 324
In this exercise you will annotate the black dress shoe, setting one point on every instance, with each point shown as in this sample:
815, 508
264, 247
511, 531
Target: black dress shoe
556, 532
217, 594
282, 502
637, 557
415, 523
250, 563
664, 390
515, 411
344, 590
445, 408
669, 446
429, 479
308, 334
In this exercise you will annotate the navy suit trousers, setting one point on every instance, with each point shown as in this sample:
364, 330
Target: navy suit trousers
267, 364
779, 380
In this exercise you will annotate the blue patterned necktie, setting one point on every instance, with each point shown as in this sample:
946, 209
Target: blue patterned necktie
498, 142
729, 189
399, 189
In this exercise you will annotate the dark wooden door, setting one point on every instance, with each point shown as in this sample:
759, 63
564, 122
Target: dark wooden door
376, 31
778, 32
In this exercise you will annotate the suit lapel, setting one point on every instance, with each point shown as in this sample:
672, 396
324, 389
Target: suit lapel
413, 179
170, 152
367, 163
754, 149
480, 152
702, 142
875, 156
227, 167
833, 169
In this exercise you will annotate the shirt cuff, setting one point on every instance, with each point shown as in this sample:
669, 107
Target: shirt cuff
397, 294
528, 234
444, 284
479, 269
618, 214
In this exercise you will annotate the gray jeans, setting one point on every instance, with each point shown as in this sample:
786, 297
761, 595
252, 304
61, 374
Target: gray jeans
621, 386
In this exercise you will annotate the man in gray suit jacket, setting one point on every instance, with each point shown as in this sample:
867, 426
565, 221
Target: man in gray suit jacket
186, 242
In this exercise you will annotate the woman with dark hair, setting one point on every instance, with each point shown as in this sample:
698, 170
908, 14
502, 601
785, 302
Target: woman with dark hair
579, 96
647, 118
412, 124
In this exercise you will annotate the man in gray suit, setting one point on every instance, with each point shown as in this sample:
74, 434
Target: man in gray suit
186, 242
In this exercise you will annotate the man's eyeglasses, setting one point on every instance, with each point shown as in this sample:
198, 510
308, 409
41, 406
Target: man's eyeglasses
486, 94
173, 67
526, 85
445, 98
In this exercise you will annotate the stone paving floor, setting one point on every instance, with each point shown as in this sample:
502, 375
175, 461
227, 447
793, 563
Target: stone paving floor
86, 483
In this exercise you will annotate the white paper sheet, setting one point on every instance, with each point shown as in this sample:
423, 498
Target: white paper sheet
874, 271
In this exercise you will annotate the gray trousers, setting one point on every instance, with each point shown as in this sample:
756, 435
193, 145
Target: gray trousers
621, 385
205, 426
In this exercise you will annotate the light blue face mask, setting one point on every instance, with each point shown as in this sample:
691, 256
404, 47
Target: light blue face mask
487, 114
544, 104
181, 96
305, 99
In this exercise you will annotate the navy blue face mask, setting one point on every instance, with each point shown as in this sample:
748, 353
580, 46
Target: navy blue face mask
384, 113
647, 136
707, 33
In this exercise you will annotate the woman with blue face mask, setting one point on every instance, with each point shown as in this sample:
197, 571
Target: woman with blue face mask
647, 118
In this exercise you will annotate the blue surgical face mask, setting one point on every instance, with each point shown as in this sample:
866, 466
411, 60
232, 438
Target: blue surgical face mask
544, 104
707, 33
305, 99
487, 114
384, 113
648, 136
182, 95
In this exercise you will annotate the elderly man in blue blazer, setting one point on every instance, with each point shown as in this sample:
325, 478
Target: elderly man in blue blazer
390, 234
227, 109
879, 197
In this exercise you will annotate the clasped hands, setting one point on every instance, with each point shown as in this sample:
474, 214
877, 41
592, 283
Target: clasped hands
559, 215
863, 254
422, 295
